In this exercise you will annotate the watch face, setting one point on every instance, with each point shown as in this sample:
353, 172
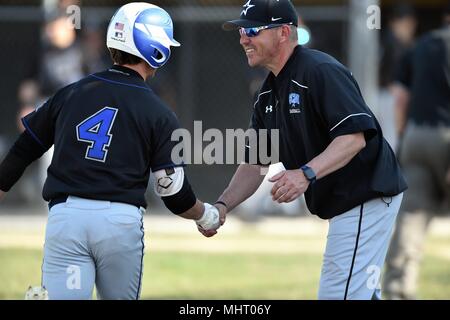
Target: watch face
309, 173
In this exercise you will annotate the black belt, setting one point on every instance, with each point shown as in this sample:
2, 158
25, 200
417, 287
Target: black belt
56, 201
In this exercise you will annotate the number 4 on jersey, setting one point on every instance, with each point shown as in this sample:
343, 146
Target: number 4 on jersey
96, 130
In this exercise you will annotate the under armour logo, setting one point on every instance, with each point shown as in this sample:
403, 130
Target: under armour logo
269, 109
246, 7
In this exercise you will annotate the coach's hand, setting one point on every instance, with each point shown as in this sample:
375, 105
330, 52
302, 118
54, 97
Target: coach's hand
288, 185
223, 210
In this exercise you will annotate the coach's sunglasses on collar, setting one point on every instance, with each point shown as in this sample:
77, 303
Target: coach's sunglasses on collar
254, 31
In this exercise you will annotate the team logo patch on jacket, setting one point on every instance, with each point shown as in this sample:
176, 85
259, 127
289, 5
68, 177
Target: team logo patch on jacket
294, 103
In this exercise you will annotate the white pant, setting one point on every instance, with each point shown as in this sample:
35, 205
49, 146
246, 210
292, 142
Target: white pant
356, 248
91, 242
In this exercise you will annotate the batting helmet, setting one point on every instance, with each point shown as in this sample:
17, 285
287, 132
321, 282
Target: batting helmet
143, 30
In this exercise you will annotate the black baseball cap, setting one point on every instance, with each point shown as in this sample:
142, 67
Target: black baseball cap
257, 13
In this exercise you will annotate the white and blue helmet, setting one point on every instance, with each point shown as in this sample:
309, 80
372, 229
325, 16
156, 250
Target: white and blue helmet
143, 30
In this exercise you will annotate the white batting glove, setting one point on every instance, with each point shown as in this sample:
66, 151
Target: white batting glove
210, 218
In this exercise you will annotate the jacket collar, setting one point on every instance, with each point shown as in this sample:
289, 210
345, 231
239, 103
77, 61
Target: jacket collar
287, 68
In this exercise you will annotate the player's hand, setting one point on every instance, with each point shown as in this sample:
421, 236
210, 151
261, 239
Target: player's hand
288, 185
2, 194
209, 222
222, 217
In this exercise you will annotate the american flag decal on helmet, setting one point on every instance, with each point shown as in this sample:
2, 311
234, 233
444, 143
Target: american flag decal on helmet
118, 26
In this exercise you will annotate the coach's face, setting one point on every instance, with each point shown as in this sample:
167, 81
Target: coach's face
262, 49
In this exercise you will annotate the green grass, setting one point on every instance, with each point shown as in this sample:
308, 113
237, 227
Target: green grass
194, 275
19, 269
184, 275
434, 279
230, 276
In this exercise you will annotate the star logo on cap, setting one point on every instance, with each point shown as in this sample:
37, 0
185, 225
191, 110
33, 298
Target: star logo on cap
246, 7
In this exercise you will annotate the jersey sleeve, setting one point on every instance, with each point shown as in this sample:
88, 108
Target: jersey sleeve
338, 102
40, 124
162, 144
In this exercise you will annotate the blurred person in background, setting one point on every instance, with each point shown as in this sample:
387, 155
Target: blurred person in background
95, 57
424, 155
61, 61
57, 64
63, 58
398, 38
58, 61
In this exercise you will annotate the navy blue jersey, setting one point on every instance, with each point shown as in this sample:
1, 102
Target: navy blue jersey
313, 100
109, 130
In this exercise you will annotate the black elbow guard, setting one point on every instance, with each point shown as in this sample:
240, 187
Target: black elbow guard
182, 201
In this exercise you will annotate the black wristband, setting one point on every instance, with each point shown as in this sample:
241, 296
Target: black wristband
222, 203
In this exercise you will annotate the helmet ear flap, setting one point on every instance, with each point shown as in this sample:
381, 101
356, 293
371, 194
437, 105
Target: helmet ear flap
159, 56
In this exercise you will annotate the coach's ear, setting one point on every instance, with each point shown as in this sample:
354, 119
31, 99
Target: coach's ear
285, 33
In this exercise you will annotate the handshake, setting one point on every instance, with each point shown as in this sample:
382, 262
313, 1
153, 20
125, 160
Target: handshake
212, 219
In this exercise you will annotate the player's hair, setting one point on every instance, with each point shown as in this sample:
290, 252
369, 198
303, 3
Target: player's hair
294, 35
121, 57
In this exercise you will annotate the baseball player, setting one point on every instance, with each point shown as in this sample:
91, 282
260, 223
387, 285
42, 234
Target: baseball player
109, 130
330, 144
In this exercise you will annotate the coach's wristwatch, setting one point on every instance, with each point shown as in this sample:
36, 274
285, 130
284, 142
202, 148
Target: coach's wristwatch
309, 174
